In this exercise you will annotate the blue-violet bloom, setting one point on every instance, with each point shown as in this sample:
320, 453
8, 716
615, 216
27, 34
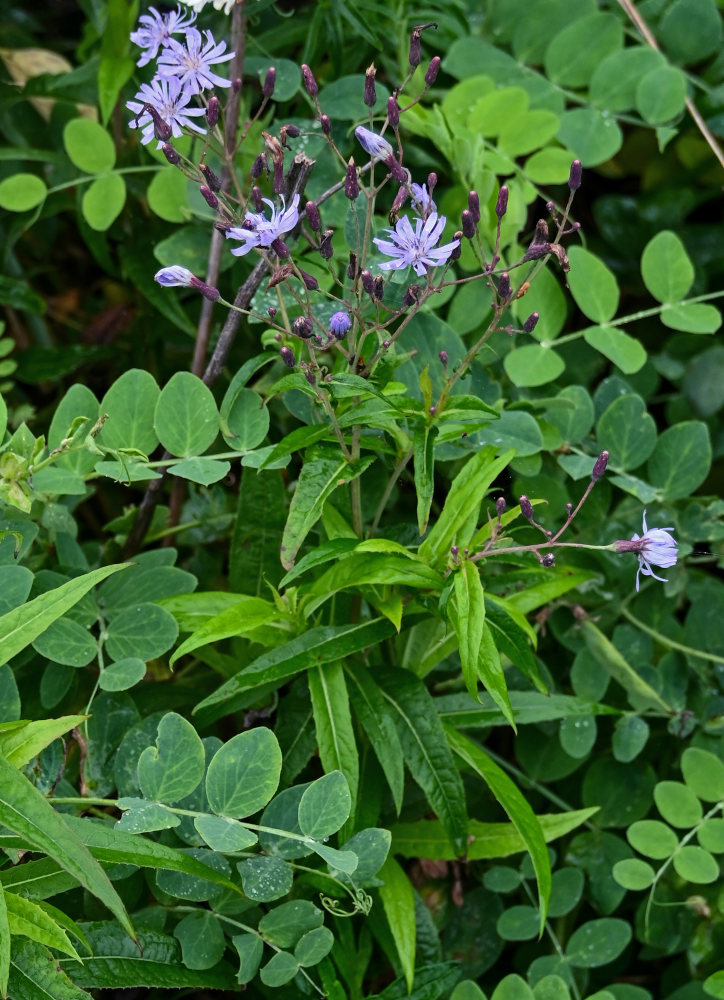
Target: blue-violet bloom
416, 249
655, 547
339, 324
378, 147
258, 231
171, 101
155, 31
423, 198
191, 63
176, 275
225, 5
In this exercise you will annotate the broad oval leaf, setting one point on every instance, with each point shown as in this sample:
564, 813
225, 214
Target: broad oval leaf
186, 419
244, 773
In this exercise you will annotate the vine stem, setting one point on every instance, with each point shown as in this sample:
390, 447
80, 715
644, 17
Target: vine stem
396, 472
665, 641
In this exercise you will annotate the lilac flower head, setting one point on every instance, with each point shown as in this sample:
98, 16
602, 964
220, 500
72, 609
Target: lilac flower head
655, 547
174, 276
155, 31
424, 198
378, 147
171, 101
258, 231
339, 324
416, 249
191, 63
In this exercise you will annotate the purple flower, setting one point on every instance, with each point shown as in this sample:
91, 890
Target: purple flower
416, 249
155, 31
339, 324
655, 547
423, 198
375, 145
191, 63
258, 231
171, 101
174, 276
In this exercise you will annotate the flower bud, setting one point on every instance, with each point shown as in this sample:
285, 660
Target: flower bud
468, 224
551, 209
474, 206
303, 327
432, 71
541, 232
287, 356
415, 47
325, 244
548, 560
431, 182
574, 178
278, 176
526, 508
501, 205
339, 324
599, 466
352, 268
313, 218
396, 169
368, 282
454, 552
272, 310
212, 180
400, 199
530, 324
443, 358
411, 296
326, 124
504, 286
393, 111
500, 506
279, 247
236, 84
258, 166
310, 282
209, 197
455, 253
310, 376
170, 153
309, 82
212, 112
351, 185
161, 129
269, 82
370, 94
379, 287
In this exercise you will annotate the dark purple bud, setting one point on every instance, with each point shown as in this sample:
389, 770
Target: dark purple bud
454, 552
396, 169
530, 324
500, 506
548, 560
212, 180
309, 280
351, 185
279, 247
258, 166
474, 206
393, 111
161, 129
386, 343
269, 82
400, 199
551, 209
212, 112
574, 178
504, 286
287, 356
352, 268
432, 71
379, 287
468, 224
312, 213
278, 176
236, 84
411, 296
432, 410
443, 358
208, 291
537, 250
293, 131
326, 124
303, 327
256, 199
455, 255
272, 311
368, 282
325, 244
309, 82
415, 47
501, 205
209, 197
599, 466
541, 232
310, 376
526, 508
170, 153
370, 94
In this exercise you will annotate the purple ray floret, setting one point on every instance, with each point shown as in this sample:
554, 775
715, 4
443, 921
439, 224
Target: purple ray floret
416, 248
258, 231
655, 547
170, 99
155, 31
191, 63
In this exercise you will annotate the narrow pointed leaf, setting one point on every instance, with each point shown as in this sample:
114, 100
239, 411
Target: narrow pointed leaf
398, 900
377, 719
469, 621
333, 724
423, 442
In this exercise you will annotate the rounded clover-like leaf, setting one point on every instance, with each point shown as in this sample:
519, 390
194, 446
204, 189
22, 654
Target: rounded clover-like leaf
175, 766
103, 201
223, 834
89, 146
519, 923
280, 969
21, 192
313, 947
711, 835
202, 940
598, 942
265, 879
629, 737
652, 838
122, 674
325, 806
186, 419
287, 923
703, 774
244, 773
677, 803
632, 873
696, 865
665, 267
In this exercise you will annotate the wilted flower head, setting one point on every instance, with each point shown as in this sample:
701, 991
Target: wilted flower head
170, 100
258, 231
424, 198
416, 248
191, 63
377, 146
155, 31
655, 547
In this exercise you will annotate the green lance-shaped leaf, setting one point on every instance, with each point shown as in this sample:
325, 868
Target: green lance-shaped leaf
175, 766
469, 621
516, 806
240, 619
32, 921
333, 723
24, 741
366, 568
423, 443
613, 663
19, 627
36, 973
244, 773
318, 479
377, 719
458, 518
398, 901
426, 750
4, 944
27, 812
